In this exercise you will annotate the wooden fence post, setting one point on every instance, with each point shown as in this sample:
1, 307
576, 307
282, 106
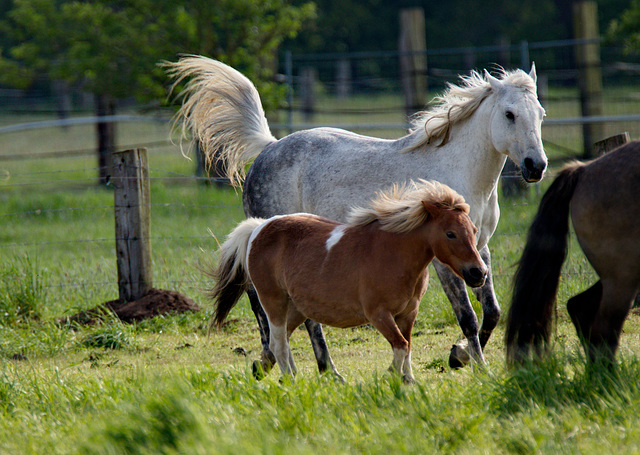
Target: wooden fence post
131, 205
585, 19
610, 143
308, 76
413, 58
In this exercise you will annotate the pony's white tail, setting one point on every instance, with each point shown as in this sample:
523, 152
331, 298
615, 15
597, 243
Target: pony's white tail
222, 109
231, 276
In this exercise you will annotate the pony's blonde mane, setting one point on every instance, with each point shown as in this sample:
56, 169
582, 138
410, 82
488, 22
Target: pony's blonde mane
459, 102
400, 209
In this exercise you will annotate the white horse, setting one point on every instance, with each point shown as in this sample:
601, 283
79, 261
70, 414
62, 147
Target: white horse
463, 142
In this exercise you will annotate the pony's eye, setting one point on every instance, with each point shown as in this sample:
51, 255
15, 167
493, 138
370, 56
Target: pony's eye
451, 235
510, 116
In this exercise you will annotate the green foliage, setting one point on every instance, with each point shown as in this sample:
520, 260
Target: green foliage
112, 47
112, 336
162, 423
22, 291
626, 28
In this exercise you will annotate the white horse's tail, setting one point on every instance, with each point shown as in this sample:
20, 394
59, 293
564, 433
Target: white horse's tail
231, 276
222, 109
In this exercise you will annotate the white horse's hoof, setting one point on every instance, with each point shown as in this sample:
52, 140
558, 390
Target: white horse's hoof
458, 357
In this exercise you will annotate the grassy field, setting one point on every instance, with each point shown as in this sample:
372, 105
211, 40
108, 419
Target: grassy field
163, 386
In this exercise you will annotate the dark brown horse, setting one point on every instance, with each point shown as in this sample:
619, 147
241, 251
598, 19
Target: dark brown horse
603, 199
371, 270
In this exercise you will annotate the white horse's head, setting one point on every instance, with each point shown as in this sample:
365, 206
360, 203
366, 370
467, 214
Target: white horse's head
516, 122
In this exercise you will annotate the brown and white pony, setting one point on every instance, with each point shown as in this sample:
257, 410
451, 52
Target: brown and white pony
371, 270
602, 198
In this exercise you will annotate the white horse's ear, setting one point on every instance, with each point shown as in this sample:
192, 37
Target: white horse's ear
496, 85
532, 73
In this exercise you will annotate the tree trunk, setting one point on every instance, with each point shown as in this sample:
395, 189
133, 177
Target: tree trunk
105, 106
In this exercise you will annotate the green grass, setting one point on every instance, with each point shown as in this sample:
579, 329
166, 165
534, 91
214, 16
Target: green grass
164, 386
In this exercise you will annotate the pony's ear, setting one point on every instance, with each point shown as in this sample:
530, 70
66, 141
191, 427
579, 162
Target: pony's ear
532, 73
496, 84
431, 209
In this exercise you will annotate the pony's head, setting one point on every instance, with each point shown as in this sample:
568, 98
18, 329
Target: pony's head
516, 121
452, 236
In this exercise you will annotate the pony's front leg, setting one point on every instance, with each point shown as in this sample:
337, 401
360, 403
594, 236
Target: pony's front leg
320, 349
385, 323
405, 325
455, 289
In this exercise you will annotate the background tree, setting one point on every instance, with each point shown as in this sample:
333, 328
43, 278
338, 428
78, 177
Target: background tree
112, 48
626, 28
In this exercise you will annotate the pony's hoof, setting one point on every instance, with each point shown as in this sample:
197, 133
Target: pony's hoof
337, 377
458, 357
408, 380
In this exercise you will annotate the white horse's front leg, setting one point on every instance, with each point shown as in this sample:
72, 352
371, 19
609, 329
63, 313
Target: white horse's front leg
456, 290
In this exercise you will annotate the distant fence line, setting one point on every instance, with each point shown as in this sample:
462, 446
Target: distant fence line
286, 127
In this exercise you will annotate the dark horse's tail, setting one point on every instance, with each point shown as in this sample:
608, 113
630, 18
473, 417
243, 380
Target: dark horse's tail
231, 276
530, 318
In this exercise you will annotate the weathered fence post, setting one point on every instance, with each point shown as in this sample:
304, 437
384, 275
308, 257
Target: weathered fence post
308, 76
610, 143
131, 204
413, 58
589, 70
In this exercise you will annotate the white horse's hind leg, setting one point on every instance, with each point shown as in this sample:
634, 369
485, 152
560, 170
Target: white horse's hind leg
279, 345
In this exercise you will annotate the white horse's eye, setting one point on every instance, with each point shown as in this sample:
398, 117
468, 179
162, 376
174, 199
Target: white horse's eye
510, 115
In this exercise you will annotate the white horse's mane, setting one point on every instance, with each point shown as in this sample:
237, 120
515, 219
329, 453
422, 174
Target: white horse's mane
459, 102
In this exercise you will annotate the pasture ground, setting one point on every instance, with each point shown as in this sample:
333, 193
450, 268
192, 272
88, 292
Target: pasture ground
163, 386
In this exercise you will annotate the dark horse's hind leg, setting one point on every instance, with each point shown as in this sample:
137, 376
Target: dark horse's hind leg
582, 310
599, 314
268, 360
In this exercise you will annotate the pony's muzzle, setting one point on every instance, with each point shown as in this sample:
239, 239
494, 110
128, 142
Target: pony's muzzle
475, 276
532, 170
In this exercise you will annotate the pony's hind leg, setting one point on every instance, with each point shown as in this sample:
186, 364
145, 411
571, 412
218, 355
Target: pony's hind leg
279, 345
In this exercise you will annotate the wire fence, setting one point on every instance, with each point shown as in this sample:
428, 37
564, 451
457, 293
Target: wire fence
44, 158
184, 244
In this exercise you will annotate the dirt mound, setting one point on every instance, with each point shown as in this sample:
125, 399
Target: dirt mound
156, 302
